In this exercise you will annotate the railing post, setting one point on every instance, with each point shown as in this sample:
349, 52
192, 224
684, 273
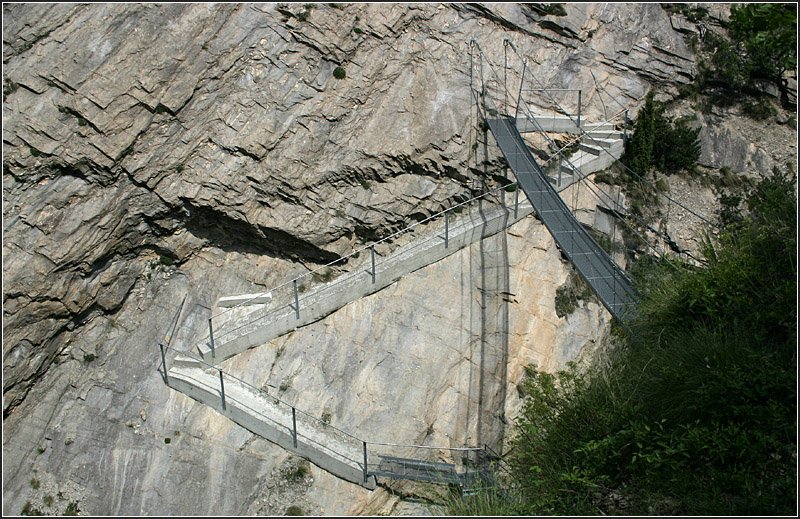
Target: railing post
372, 249
294, 428
222, 387
580, 93
516, 199
296, 300
625, 128
164, 363
446, 228
560, 167
519, 95
365, 461
211, 335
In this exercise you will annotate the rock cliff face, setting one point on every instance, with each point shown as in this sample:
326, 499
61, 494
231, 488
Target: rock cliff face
153, 152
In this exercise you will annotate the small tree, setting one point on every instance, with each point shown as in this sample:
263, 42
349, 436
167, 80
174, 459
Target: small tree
768, 34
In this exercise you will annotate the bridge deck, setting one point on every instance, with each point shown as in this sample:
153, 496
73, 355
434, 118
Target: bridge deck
606, 279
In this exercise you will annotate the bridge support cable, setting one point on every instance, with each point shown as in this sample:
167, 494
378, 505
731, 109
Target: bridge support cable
521, 105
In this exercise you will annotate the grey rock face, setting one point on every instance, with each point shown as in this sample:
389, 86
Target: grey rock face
154, 151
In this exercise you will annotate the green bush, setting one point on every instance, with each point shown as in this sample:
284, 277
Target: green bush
570, 294
695, 413
761, 44
28, 509
339, 73
72, 509
661, 142
759, 109
294, 510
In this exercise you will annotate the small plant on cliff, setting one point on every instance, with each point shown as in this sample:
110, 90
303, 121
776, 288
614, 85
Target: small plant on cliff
569, 295
326, 417
72, 509
29, 509
339, 73
294, 510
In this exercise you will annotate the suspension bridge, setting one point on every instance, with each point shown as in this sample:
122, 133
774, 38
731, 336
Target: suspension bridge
252, 320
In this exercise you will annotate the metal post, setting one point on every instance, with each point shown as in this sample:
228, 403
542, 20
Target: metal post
365, 461
505, 73
372, 248
516, 199
519, 95
294, 428
222, 387
580, 93
164, 363
625, 128
560, 166
446, 228
296, 300
211, 334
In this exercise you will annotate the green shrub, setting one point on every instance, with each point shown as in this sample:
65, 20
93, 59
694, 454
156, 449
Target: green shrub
28, 509
570, 294
34, 483
550, 9
695, 413
759, 109
72, 509
48, 500
297, 472
339, 73
167, 440
357, 30
294, 510
89, 357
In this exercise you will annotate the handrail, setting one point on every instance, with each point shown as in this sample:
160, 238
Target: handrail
318, 420
357, 252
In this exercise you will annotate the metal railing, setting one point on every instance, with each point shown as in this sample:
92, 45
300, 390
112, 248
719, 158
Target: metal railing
292, 296
611, 284
306, 429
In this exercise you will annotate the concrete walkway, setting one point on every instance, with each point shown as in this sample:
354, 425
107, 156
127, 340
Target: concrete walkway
268, 417
247, 328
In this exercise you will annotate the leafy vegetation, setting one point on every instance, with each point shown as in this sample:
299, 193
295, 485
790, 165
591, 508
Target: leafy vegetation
695, 411
570, 294
549, 9
29, 509
760, 44
339, 73
72, 509
658, 143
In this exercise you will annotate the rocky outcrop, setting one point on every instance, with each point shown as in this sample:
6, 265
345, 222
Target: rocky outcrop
158, 151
